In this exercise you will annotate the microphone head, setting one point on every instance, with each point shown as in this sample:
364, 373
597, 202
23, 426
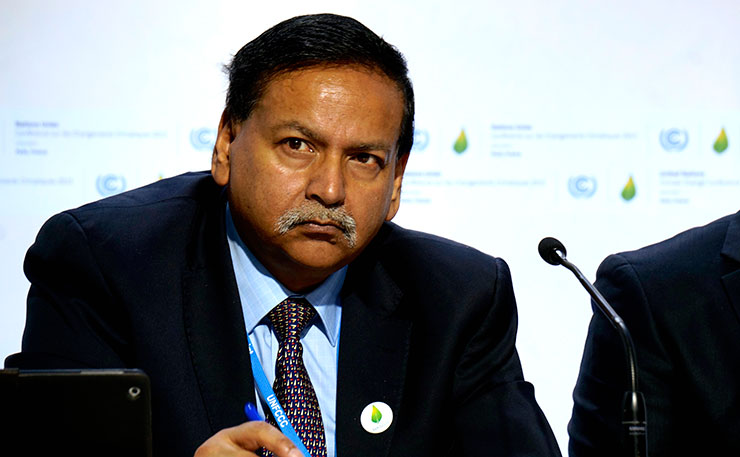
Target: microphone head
552, 251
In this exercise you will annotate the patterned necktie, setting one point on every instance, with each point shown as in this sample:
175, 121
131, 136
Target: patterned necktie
292, 384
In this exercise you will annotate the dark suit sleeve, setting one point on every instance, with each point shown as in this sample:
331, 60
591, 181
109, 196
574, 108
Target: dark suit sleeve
595, 427
498, 413
72, 319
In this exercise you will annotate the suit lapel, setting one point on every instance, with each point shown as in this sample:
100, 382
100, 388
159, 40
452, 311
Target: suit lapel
373, 352
214, 322
731, 251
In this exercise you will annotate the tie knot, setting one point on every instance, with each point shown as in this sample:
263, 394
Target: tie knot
290, 317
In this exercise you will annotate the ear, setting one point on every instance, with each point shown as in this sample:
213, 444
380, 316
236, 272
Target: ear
397, 179
221, 160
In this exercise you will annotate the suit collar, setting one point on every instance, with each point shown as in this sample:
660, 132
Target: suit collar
731, 263
213, 318
731, 247
373, 352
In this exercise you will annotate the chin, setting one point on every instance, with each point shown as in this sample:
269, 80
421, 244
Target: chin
321, 255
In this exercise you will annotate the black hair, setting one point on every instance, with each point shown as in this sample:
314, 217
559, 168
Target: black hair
312, 41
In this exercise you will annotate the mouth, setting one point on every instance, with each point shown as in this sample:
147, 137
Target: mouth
319, 222
328, 227
323, 224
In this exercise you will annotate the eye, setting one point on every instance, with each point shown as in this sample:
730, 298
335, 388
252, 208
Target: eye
369, 159
296, 144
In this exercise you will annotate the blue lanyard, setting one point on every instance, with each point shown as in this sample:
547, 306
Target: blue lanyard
268, 396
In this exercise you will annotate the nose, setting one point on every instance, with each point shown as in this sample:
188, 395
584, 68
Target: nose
326, 184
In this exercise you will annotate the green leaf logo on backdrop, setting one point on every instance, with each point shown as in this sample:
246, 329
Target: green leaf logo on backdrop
461, 144
629, 191
720, 145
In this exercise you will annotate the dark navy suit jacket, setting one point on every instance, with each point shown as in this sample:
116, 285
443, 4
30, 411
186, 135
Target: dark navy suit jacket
681, 302
144, 279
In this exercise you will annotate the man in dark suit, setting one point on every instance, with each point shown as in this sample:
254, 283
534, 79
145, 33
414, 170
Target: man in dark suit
306, 175
680, 300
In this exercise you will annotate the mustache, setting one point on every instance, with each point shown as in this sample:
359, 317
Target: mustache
310, 211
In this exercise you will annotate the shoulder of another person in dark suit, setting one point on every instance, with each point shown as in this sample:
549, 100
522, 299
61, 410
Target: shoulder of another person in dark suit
689, 246
687, 260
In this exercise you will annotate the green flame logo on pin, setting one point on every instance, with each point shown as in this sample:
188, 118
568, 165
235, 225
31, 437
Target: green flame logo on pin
376, 416
720, 145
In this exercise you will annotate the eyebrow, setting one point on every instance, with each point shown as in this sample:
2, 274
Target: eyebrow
305, 131
321, 140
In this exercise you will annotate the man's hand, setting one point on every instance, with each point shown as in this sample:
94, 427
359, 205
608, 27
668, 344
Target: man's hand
246, 439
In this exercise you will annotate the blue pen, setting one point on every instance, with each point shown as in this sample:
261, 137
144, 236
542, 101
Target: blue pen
251, 411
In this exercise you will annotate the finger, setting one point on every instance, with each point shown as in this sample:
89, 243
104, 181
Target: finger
256, 434
249, 436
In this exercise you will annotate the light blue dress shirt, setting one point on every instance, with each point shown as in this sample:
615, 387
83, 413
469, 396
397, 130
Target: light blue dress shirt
259, 292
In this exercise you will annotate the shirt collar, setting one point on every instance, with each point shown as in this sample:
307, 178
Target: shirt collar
258, 288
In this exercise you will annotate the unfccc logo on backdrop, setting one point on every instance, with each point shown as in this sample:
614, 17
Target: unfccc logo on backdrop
203, 139
674, 140
110, 184
582, 186
421, 140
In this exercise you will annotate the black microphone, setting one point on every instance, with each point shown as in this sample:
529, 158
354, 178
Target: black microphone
634, 423
552, 251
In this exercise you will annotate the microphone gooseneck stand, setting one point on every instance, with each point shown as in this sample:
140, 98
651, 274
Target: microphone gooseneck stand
634, 423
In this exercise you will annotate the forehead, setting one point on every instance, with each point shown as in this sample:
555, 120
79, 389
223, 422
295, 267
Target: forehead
344, 101
332, 81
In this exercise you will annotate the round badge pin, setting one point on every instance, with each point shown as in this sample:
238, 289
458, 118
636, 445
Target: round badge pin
376, 417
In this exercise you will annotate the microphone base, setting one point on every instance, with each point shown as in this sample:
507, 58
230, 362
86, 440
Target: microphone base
634, 425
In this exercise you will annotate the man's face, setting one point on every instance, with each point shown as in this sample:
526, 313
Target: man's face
317, 152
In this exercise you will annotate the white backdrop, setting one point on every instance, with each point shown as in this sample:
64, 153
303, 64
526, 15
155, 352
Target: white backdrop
533, 117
